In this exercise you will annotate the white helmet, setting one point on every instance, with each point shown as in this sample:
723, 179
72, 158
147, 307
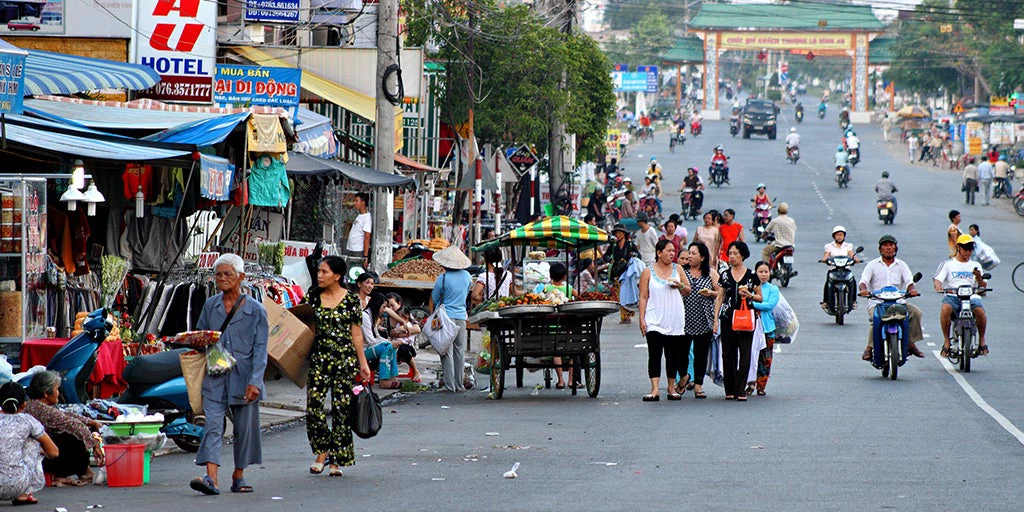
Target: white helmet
792, 130
838, 229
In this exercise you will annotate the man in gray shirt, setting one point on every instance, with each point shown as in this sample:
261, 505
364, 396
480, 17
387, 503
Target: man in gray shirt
985, 175
885, 190
646, 238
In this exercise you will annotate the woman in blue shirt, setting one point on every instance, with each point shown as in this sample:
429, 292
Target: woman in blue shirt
452, 290
769, 299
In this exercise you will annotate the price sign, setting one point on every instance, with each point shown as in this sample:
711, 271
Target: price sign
207, 259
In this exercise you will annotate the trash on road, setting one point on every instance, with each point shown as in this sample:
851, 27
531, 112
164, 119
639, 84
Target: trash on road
512, 472
492, 434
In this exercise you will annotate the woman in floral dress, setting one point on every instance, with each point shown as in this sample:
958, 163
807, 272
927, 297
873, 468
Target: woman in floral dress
21, 436
335, 360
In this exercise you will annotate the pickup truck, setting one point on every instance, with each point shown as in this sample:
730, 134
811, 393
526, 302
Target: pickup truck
759, 116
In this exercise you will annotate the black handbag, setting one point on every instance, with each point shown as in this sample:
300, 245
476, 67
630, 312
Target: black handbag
365, 416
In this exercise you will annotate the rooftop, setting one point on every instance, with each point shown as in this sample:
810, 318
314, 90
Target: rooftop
797, 16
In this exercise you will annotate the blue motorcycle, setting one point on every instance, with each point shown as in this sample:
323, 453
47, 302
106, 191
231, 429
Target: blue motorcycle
891, 328
153, 380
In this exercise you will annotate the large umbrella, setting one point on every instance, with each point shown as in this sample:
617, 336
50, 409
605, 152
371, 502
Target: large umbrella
560, 231
913, 111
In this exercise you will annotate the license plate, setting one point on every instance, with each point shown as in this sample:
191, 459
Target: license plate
787, 259
883, 211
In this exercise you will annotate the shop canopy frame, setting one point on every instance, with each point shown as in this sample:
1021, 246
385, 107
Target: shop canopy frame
301, 165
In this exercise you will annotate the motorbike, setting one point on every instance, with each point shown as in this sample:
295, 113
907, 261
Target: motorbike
841, 286
844, 124
717, 171
1004, 187
842, 176
890, 352
821, 111
688, 199
781, 263
799, 116
162, 389
695, 128
964, 332
854, 157
734, 125
762, 216
886, 210
1018, 202
679, 137
793, 154
649, 204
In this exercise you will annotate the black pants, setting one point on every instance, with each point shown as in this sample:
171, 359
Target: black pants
701, 346
73, 459
656, 342
970, 188
735, 358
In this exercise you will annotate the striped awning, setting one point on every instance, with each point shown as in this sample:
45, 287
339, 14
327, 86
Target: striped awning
57, 73
558, 231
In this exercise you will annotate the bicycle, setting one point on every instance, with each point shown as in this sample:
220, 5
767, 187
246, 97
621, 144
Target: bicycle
1018, 277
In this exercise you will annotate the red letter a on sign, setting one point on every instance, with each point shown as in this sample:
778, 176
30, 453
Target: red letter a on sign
187, 9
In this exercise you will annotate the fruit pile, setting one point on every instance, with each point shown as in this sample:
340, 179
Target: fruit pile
530, 299
595, 296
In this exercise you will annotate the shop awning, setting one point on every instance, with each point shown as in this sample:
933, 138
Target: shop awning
413, 165
303, 165
315, 134
356, 102
60, 139
57, 73
560, 231
111, 118
206, 132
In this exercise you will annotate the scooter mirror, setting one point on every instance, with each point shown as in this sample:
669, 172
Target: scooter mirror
986, 276
917, 277
860, 249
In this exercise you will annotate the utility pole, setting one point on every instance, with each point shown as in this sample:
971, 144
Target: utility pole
557, 152
384, 133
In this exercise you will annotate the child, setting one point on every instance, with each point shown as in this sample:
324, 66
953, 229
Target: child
21, 469
405, 330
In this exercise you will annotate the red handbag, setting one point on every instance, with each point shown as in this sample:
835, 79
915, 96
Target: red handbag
743, 318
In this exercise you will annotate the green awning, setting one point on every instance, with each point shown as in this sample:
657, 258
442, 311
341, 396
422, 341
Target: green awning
558, 231
686, 50
796, 16
882, 51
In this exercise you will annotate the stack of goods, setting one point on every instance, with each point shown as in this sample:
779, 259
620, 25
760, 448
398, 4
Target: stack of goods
414, 270
595, 296
529, 299
434, 244
10, 311
10, 224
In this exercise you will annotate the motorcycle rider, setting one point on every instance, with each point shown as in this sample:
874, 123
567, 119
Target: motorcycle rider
888, 270
822, 107
852, 143
845, 115
1002, 170
842, 159
792, 141
719, 158
838, 247
654, 168
885, 190
694, 182
784, 229
961, 270
799, 107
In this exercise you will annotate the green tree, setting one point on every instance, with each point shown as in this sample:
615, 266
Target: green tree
650, 37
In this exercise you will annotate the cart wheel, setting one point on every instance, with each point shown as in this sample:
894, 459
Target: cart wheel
419, 315
519, 375
499, 363
592, 372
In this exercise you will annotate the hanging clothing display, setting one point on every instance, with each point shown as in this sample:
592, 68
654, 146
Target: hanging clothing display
268, 182
265, 134
136, 176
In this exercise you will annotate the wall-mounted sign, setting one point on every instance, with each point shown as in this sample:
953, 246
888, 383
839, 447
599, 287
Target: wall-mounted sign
12, 81
178, 39
254, 85
272, 11
786, 40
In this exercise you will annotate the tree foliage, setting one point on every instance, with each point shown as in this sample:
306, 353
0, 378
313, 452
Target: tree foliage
650, 37
512, 77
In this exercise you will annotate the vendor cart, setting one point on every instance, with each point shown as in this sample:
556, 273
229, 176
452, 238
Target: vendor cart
530, 336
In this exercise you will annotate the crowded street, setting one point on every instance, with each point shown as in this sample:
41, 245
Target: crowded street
829, 434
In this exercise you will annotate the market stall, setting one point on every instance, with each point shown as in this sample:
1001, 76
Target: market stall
527, 332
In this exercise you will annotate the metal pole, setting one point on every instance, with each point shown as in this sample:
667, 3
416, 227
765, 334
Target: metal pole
478, 199
497, 194
384, 133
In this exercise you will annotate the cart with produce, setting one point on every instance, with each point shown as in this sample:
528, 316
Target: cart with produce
528, 331
413, 279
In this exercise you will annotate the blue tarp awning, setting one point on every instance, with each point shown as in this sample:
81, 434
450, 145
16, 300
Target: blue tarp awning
62, 139
57, 73
103, 117
205, 132
315, 134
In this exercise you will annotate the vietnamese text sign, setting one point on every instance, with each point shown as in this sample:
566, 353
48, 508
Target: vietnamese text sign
215, 175
785, 41
611, 144
178, 39
635, 81
254, 85
521, 158
272, 11
12, 82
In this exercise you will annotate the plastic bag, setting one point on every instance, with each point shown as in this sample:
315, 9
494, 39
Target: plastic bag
219, 361
365, 416
984, 254
786, 323
440, 330
483, 359
6, 370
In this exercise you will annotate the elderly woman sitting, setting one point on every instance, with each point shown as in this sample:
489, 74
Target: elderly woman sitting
73, 434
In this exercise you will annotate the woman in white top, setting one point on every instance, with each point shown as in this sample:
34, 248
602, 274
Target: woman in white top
496, 282
838, 247
662, 319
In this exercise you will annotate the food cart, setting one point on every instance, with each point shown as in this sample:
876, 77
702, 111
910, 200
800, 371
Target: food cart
525, 336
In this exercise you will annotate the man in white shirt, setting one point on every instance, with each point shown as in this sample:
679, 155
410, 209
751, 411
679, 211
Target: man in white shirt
960, 270
646, 239
887, 270
358, 243
792, 140
986, 173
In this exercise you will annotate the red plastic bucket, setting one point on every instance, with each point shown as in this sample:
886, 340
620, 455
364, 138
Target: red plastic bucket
125, 463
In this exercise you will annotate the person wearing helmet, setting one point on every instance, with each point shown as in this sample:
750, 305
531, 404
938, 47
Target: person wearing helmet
761, 196
783, 228
888, 270
839, 247
842, 160
844, 116
654, 167
885, 189
719, 159
852, 143
960, 270
792, 141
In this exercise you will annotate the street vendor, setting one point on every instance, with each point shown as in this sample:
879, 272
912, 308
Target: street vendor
559, 273
358, 242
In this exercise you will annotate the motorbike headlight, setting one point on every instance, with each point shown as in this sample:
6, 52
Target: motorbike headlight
964, 291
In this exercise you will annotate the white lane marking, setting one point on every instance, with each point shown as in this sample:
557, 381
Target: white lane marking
931, 344
815, 171
979, 401
821, 197
640, 345
926, 335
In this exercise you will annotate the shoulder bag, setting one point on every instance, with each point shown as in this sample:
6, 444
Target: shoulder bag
439, 329
743, 316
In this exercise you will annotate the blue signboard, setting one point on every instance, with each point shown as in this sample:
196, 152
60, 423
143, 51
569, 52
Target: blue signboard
272, 11
215, 175
620, 67
644, 79
12, 82
254, 85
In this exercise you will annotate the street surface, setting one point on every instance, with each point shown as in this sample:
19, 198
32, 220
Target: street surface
830, 435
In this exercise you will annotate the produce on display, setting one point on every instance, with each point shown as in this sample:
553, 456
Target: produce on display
414, 267
595, 296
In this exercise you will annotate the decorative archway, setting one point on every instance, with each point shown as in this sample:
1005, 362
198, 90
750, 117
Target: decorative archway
826, 30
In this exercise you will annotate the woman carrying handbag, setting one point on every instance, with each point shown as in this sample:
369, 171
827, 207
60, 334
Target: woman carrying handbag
734, 319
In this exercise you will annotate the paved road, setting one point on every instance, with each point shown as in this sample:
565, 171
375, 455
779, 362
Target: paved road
830, 435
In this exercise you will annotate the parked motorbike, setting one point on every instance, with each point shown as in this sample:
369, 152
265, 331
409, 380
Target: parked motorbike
890, 352
781, 263
963, 334
854, 157
841, 286
762, 216
161, 387
1004, 187
793, 154
886, 210
842, 176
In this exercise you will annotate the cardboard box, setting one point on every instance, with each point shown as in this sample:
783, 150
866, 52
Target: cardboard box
289, 341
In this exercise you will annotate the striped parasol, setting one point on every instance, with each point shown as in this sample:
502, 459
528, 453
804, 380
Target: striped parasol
558, 231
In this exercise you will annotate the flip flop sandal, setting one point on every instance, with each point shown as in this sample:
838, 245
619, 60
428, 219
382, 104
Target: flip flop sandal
336, 471
983, 350
741, 398
760, 392
205, 486
944, 352
651, 398
240, 486
675, 396
699, 394
317, 467
29, 500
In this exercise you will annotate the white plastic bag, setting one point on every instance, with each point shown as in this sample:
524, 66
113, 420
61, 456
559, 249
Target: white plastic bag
786, 323
440, 330
984, 254
6, 370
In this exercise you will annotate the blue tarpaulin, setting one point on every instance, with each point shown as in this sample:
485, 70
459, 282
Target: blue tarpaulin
206, 132
57, 138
